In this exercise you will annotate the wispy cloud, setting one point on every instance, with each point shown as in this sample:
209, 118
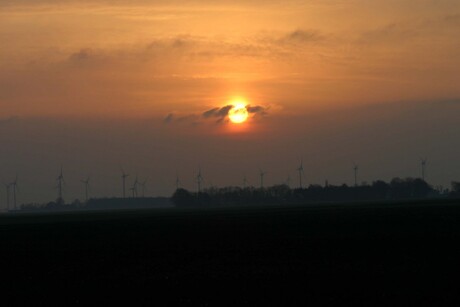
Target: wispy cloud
218, 114
301, 36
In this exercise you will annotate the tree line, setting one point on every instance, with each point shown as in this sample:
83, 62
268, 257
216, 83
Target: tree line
396, 189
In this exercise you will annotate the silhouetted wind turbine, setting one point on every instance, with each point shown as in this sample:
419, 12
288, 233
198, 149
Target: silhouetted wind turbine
135, 184
7, 186
261, 174
142, 184
300, 170
123, 177
199, 180
14, 184
177, 181
60, 180
423, 163
355, 169
86, 183
245, 181
133, 190
288, 180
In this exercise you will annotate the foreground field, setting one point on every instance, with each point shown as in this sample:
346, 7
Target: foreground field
362, 253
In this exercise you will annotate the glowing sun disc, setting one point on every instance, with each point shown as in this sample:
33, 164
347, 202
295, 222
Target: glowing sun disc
238, 114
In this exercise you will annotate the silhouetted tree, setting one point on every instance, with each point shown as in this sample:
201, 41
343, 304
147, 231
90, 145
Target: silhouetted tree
183, 198
455, 189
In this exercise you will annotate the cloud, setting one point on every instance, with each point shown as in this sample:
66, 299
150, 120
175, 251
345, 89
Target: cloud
83, 54
188, 118
222, 112
191, 119
302, 37
169, 118
394, 33
217, 112
257, 110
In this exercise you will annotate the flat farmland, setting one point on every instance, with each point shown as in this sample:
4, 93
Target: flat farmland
329, 253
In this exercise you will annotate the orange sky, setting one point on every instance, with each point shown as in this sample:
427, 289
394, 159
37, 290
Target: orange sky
142, 59
375, 82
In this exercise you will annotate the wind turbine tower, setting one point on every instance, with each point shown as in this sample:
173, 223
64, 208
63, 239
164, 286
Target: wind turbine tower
355, 170
261, 174
300, 170
423, 163
7, 186
142, 184
60, 180
14, 184
177, 182
134, 188
123, 178
86, 183
245, 182
199, 180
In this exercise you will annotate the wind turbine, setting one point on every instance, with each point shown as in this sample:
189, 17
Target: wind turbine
199, 180
245, 181
7, 186
423, 163
288, 180
300, 170
177, 181
261, 174
86, 183
14, 184
134, 188
60, 180
123, 177
142, 184
355, 169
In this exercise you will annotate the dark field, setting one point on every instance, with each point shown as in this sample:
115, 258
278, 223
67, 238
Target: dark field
321, 254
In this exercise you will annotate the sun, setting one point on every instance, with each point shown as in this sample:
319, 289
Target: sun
238, 114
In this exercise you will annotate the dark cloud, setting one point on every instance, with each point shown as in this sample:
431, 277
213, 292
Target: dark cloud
217, 112
169, 118
302, 37
394, 33
220, 114
187, 118
257, 110
192, 119
210, 113
82, 55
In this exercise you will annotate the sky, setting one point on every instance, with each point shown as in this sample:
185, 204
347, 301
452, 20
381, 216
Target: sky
96, 86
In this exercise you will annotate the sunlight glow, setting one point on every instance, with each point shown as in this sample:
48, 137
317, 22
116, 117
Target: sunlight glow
238, 114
